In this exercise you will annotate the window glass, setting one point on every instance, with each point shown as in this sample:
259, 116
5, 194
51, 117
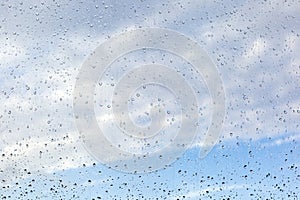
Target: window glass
149, 99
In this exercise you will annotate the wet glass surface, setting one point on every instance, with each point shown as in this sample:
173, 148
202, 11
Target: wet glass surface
149, 99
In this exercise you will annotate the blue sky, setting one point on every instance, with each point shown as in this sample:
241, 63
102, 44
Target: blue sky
254, 45
232, 171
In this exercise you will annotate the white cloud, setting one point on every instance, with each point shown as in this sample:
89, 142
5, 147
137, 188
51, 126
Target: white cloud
281, 141
10, 51
256, 48
43, 155
253, 111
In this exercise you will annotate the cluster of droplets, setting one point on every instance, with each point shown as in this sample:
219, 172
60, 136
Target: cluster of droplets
254, 44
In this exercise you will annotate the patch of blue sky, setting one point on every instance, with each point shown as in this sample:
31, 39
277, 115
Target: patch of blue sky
247, 170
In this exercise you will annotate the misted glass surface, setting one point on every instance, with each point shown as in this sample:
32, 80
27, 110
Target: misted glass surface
150, 99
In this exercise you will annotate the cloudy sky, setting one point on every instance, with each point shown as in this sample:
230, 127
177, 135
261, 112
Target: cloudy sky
254, 45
